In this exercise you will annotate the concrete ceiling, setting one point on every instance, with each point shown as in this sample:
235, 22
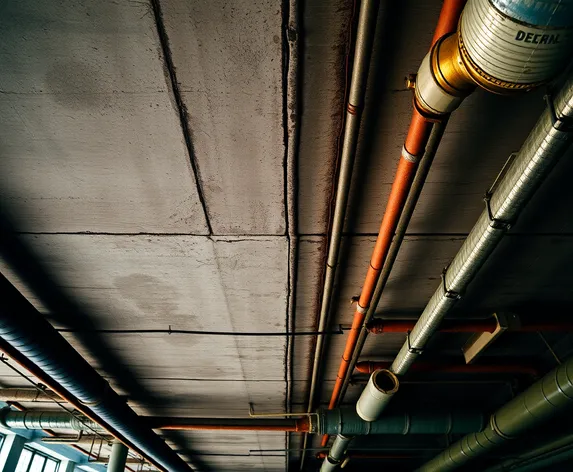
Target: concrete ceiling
160, 168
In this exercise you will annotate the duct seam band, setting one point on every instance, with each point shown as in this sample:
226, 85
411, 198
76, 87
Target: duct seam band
361, 309
409, 156
560, 122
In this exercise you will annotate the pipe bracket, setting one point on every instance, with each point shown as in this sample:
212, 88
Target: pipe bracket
413, 350
495, 223
447, 292
560, 123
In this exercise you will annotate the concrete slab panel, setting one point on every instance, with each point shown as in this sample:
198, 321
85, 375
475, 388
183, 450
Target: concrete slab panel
228, 58
157, 281
90, 139
106, 169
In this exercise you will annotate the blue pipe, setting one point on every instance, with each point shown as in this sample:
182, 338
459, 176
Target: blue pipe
28, 332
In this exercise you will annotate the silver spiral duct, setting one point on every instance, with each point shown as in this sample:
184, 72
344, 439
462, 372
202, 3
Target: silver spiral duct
47, 420
548, 140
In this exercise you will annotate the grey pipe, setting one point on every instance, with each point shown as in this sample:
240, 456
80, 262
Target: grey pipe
47, 420
551, 395
360, 67
544, 146
409, 207
118, 457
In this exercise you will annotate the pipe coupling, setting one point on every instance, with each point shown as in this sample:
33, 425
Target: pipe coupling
495, 49
381, 386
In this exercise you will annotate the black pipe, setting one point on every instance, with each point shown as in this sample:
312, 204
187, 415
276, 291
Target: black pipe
29, 334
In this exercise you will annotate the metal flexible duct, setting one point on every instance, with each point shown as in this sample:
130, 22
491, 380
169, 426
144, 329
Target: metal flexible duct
47, 420
544, 399
545, 144
28, 333
548, 140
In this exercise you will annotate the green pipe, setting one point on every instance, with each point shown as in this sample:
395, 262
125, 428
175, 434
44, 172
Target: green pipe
345, 421
547, 397
554, 452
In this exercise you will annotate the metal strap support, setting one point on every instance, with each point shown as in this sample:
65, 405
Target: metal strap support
414, 350
449, 293
562, 123
496, 223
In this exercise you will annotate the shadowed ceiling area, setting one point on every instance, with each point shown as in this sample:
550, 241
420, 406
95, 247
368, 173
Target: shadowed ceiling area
170, 184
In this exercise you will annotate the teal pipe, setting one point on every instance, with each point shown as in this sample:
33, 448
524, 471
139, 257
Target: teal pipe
346, 422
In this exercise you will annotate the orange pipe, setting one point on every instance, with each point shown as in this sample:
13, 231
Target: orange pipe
301, 425
489, 325
297, 428
379, 326
490, 366
415, 143
449, 17
361, 455
33, 369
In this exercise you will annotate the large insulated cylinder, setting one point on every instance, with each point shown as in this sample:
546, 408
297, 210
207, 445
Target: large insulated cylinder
503, 46
515, 45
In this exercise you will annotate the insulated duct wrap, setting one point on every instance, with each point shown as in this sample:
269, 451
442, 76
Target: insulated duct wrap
541, 150
503, 46
346, 422
514, 44
544, 399
35, 339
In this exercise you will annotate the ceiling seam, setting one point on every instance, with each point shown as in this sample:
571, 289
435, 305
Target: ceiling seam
291, 127
181, 108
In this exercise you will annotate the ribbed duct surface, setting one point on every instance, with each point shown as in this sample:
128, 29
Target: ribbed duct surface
546, 398
517, 42
47, 420
346, 422
543, 147
28, 332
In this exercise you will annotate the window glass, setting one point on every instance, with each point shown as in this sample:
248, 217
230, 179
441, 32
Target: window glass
24, 461
51, 466
37, 463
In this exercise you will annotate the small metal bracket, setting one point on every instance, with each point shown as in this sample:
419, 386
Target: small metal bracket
413, 350
495, 222
479, 342
448, 293
563, 123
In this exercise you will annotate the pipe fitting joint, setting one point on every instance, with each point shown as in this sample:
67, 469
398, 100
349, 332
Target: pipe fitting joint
495, 49
382, 385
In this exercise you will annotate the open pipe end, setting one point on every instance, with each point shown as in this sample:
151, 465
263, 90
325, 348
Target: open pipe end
383, 384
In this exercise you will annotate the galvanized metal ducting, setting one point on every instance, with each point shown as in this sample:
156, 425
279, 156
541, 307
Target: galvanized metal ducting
552, 395
503, 46
47, 420
546, 143
28, 333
